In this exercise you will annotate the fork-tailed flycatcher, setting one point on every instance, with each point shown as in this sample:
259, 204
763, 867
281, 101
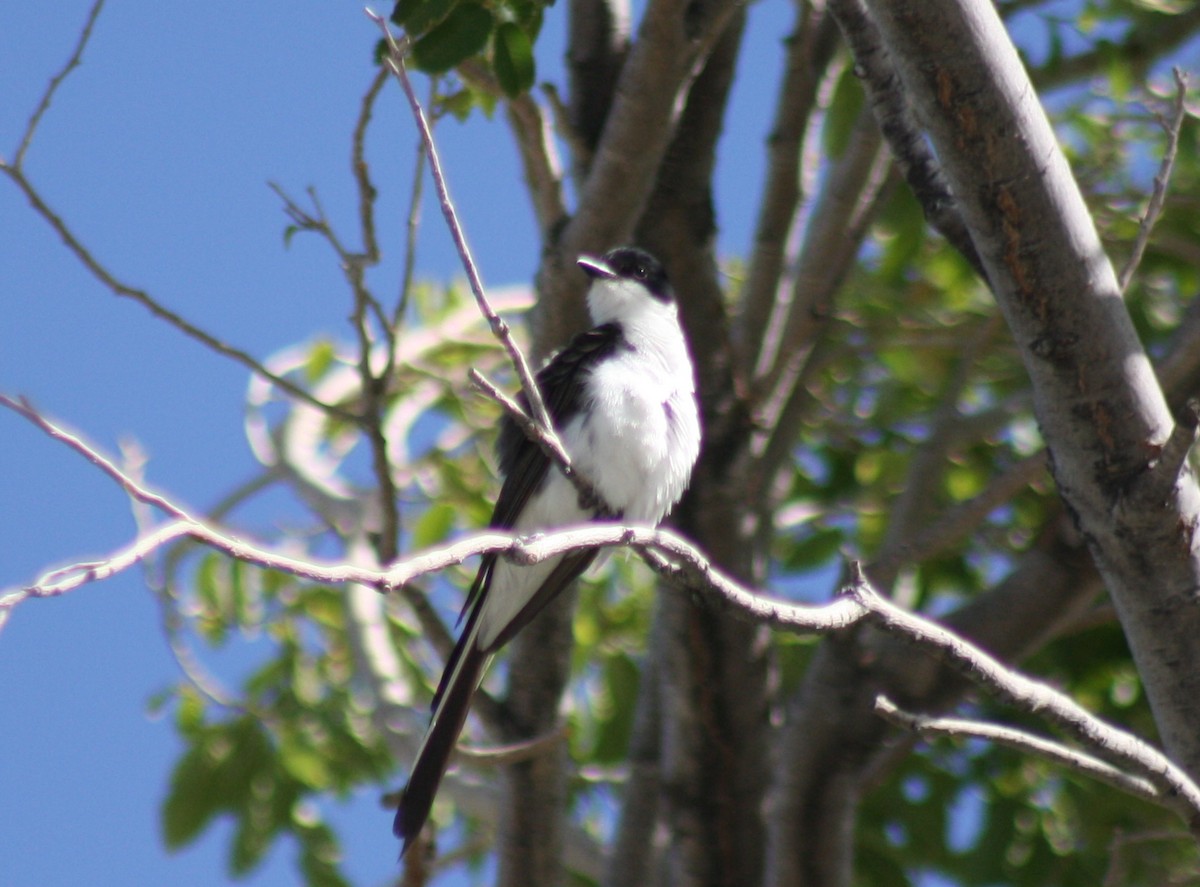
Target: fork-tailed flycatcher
623, 400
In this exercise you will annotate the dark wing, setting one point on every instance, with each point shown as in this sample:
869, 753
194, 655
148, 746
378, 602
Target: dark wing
561, 382
522, 461
525, 467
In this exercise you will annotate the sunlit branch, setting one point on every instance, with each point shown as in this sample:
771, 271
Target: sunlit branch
1021, 741
810, 50
513, 752
857, 602
535, 432
1108, 742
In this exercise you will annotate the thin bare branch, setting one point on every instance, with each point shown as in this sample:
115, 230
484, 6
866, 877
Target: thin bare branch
810, 48
1108, 742
362, 172
551, 445
1021, 741
1162, 181
148, 302
73, 62
513, 752
395, 61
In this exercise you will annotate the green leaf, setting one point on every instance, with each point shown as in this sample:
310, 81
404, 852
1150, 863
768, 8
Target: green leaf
529, 15
158, 701
458, 104
512, 59
305, 765
189, 713
189, 805
381, 51
621, 681
463, 34
320, 358
319, 854
212, 591
419, 16
434, 525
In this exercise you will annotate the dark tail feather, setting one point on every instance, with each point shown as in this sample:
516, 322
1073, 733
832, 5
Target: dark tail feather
463, 673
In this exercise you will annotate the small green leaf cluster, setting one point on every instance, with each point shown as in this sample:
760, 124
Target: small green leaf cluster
297, 730
446, 33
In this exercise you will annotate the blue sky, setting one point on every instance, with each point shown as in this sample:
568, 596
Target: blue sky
157, 152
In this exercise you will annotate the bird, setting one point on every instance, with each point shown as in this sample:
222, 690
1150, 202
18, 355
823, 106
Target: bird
622, 397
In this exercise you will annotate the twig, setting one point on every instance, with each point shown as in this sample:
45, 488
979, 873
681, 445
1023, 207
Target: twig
75, 60
15, 171
162, 313
24, 408
412, 222
1162, 180
372, 387
691, 567
551, 445
515, 752
809, 50
1022, 741
560, 115
395, 61
362, 172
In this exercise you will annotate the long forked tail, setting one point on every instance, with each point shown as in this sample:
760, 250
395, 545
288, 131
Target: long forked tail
453, 700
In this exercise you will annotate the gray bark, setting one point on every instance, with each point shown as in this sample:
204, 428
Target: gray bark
1115, 457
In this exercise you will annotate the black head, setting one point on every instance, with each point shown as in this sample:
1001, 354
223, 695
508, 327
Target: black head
630, 263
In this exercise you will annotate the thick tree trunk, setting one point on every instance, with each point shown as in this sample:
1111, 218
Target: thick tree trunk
1117, 457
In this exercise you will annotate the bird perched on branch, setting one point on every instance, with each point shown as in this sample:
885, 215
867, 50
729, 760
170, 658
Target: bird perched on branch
622, 398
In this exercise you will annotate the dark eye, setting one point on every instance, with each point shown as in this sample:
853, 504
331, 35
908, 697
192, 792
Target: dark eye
640, 272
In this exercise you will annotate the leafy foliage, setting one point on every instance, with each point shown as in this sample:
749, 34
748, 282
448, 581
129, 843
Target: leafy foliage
446, 33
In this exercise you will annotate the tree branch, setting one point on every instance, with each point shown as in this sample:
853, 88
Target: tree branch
894, 115
1101, 412
1108, 742
810, 48
695, 573
1024, 742
73, 62
1162, 180
148, 302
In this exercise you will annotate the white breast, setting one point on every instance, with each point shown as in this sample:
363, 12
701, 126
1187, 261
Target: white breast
640, 436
